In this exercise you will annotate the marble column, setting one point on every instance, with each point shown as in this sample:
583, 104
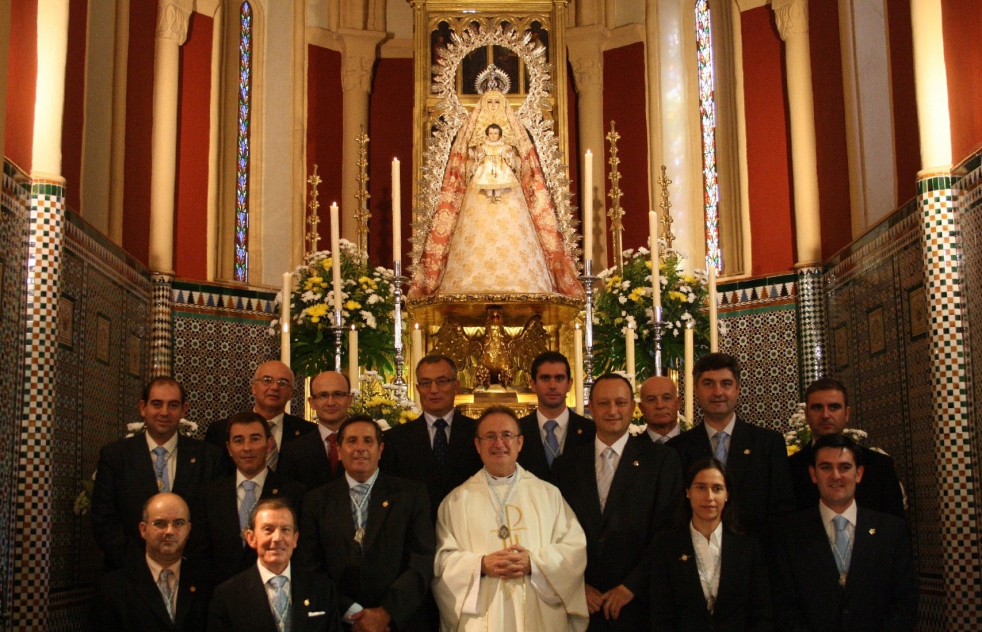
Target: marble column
357, 60
944, 284
792, 23
585, 46
29, 601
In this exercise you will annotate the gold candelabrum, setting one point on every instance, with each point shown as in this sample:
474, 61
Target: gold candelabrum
362, 214
666, 217
313, 219
616, 213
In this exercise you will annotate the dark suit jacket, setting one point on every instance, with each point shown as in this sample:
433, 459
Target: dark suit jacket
241, 605
126, 479
393, 566
408, 453
743, 601
128, 599
305, 461
293, 428
579, 431
879, 490
643, 498
881, 588
758, 465
215, 537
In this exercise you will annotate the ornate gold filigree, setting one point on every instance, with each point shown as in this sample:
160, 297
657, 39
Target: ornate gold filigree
312, 218
665, 205
362, 214
616, 213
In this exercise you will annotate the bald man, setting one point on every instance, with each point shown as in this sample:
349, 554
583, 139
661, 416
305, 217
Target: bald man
272, 387
660, 405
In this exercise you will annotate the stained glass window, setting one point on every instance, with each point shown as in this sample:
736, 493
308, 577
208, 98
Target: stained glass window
242, 158
707, 118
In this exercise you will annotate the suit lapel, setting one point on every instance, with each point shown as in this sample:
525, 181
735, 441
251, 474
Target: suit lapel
186, 593
588, 478
728, 571
459, 441
187, 461
141, 463
624, 475
227, 507
254, 596
378, 510
741, 452
146, 587
339, 501
422, 448
690, 567
864, 558
533, 444
817, 542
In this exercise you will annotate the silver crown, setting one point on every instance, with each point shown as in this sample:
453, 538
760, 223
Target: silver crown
492, 79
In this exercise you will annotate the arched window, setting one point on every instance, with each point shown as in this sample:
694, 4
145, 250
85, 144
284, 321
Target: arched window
242, 158
707, 119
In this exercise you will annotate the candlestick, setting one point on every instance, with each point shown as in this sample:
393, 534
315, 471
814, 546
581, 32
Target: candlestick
336, 265
400, 359
655, 260
353, 357
588, 280
659, 327
689, 386
396, 212
713, 316
285, 318
578, 368
629, 345
587, 207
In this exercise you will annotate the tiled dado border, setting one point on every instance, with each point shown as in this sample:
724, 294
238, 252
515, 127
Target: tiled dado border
757, 295
893, 234
222, 300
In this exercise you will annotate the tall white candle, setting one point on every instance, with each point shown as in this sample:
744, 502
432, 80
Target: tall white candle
285, 318
629, 343
587, 206
353, 357
417, 336
396, 212
655, 260
713, 317
336, 254
689, 386
578, 368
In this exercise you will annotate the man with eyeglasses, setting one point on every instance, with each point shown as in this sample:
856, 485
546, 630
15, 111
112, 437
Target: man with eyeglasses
510, 552
161, 591
131, 470
624, 490
314, 458
272, 387
436, 448
222, 508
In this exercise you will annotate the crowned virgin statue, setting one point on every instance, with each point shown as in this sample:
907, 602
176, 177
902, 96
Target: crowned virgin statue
494, 230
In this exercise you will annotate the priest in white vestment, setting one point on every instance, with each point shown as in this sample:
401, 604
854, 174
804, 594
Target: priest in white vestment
510, 552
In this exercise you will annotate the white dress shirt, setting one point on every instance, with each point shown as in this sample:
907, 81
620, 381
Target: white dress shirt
728, 428
662, 438
174, 582
258, 479
618, 446
171, 447
708, 557
562, 424
849, 514
430, 419
276, 426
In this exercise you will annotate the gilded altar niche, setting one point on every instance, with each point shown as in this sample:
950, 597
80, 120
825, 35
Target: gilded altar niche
495, 242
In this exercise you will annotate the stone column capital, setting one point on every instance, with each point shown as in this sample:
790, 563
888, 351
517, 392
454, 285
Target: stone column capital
584, 45
358, 58
792, 17
172, 20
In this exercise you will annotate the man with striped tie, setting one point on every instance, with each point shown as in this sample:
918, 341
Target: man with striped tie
274, 594
162, 591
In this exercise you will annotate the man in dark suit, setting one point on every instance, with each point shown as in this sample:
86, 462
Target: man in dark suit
827, 412
132, 470
274, 594
660, 405
272, 387
756, 458
839, 565
436, 448
373, 535
553, 427
623, 490
161, 592
313, 459
223, 506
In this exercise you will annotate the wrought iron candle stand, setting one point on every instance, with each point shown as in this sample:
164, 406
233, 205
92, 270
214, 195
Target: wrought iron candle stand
659, 327
588, 279
397, 282
338, 329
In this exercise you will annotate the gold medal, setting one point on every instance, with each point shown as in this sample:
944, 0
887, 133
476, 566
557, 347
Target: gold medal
503, 532
160, 484
842, 579
359, 535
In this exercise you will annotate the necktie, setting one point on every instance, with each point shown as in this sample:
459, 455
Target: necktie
160, 468
332, 452
605, 474
280, 603
841, 543
357, 498
552, 443
248, 502
441, 449
274, 455
167, 590
721, 451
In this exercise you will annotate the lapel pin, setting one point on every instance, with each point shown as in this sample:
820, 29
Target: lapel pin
275, 492
747, 451
872, 531
306, 602
385, 503
296, 434
192, 589
635, 464
579, 431
684, 558
193, 459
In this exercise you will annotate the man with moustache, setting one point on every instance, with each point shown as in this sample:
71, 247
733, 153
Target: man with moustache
223, 506
660, 404
624, 490
314, 459
373, 535
552, 427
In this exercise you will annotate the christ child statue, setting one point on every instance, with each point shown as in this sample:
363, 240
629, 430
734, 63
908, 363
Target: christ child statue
495, 163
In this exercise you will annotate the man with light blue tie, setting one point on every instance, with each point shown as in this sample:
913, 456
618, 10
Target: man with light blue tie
756, 458
840, 566
273, 594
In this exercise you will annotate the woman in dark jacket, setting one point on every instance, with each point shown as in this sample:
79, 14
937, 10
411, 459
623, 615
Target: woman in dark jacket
706, 574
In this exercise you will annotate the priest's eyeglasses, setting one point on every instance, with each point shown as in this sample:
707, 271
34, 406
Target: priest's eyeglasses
267, 380
506, 437
162, 525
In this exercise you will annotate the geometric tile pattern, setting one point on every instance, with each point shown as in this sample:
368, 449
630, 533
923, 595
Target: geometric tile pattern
32, 550
161, 327
811, 324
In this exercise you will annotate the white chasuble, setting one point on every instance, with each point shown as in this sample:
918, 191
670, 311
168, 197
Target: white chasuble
468, 526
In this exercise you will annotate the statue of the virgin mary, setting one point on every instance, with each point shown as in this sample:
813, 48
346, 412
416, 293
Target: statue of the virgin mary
494, 230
